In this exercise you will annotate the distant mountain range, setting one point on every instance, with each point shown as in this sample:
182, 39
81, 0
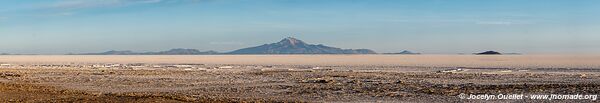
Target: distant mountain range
179, 51
185, 52
286, 46
294, 46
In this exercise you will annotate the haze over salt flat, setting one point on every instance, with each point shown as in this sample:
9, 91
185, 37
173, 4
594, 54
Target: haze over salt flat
386, 26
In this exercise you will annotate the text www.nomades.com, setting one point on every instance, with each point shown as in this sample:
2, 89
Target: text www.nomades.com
532, 97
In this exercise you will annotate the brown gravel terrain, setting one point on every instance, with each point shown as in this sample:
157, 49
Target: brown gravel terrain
240, 82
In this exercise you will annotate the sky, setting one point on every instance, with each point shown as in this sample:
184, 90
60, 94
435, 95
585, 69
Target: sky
426, 26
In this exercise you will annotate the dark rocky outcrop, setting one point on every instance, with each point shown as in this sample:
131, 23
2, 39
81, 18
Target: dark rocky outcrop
489, 53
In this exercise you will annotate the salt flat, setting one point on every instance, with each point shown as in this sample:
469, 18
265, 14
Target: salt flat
508, 61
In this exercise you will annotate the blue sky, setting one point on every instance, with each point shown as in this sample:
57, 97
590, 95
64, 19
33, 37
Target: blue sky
427, 26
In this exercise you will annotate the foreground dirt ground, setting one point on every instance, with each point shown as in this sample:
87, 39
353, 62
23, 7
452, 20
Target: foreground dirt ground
286, 84
296, 78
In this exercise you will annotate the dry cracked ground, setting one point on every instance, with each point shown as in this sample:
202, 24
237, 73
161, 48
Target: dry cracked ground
289, 84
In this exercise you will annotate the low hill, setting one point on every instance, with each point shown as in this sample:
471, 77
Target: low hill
489, 53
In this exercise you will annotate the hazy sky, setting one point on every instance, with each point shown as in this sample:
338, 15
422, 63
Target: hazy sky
427, 26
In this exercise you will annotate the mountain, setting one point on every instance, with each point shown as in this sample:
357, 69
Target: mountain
179, 51
489, 53
405, 52
294, 46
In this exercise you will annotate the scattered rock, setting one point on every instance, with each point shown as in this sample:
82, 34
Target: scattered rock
4, 75
226, 67
316, 80
451, 71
